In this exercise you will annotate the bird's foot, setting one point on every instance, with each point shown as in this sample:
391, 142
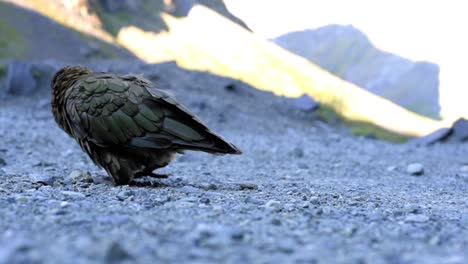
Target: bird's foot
146, 184
158, 176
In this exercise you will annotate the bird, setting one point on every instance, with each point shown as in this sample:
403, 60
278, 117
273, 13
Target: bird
127, 125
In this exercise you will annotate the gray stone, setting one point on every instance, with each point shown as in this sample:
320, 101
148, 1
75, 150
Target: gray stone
415, 169
460, 130
42, 178
125, 194
80, 176
274, 205
248, 186
314, 200
411, 208
204, 200
306, 103
437, 136
2, 162
20, 80
276, 222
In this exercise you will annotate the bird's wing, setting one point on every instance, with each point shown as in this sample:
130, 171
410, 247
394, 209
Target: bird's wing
114, 111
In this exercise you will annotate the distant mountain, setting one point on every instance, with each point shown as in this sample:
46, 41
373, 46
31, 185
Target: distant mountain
347, 52
76, 31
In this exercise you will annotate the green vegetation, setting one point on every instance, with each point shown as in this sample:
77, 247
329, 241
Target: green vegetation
148, 17
371, 130
12, 44
113, 22
359, 128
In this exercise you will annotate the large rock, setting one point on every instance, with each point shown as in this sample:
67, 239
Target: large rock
20, 79
348, 53
437, 136
460, 129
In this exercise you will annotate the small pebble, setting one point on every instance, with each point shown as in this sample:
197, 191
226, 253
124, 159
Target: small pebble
416, 218
276, 222
73, 194
463, 168
434, 241
314, 200
208, 186
42, 178
305, 103
350, 230
80, 176
248, 186
274, 205
415, 169
298, 152
318, 211
411, 208
217, 208
123, 195
306, 191
204, 200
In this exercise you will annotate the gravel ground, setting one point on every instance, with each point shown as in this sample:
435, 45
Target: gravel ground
302, 192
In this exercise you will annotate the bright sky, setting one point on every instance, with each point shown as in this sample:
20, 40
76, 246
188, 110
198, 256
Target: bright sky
430, 30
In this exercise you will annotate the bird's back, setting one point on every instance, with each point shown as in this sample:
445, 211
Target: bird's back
126, 112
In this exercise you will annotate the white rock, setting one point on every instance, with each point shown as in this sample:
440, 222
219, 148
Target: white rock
415, 169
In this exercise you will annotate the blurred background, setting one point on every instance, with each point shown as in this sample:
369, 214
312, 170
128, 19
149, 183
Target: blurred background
380, 67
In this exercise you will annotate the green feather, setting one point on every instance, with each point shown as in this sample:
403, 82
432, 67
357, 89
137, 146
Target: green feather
130, 109
91, 86
181, 130
117, 85
145, 123
152, 114
114, 129
127, 124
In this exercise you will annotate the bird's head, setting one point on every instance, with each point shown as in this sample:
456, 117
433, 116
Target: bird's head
66, 77
62, 81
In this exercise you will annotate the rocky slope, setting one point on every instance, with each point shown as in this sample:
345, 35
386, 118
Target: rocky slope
347, 52
77, 31
28, 35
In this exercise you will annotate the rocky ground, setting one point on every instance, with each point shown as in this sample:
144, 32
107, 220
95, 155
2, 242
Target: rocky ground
302, 192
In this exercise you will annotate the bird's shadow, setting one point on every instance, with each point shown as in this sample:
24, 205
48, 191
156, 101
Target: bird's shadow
149, 183
177, 182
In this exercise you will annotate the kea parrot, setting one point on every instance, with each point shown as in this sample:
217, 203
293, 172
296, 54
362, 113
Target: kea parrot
125, 124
